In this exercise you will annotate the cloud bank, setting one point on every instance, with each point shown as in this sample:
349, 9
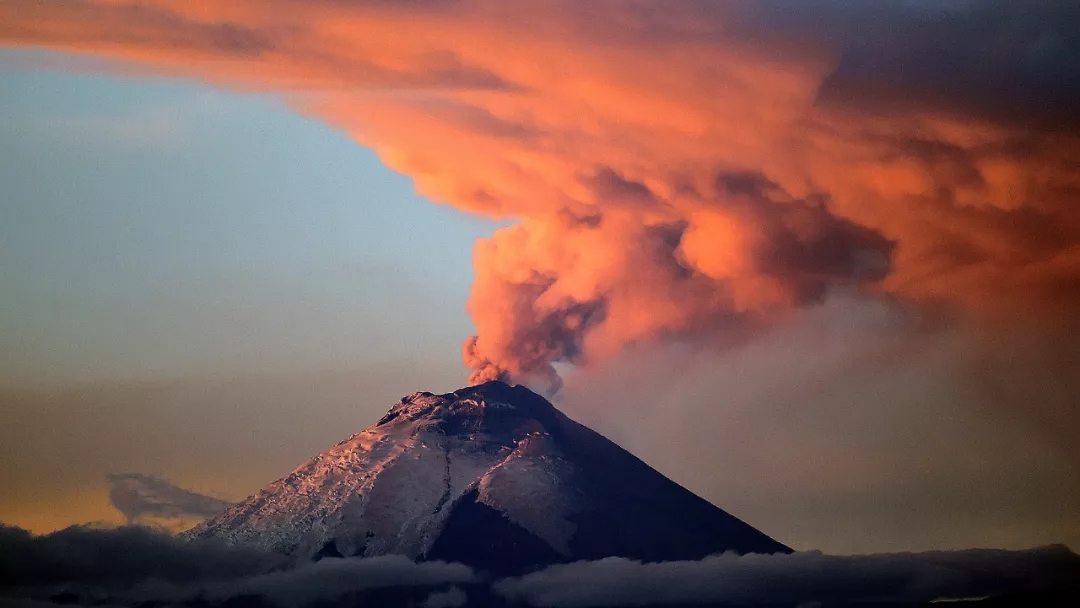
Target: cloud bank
799, 578
119, 556
133, 566
676, 170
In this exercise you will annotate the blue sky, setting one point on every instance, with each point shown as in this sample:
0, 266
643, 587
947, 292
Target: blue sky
155, 228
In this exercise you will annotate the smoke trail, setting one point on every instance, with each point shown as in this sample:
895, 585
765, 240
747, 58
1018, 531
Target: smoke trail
675, 168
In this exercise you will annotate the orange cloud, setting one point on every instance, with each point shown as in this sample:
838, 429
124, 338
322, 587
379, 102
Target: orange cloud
676, 168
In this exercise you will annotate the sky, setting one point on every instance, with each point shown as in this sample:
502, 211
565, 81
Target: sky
169, 252
244, 221
817, 262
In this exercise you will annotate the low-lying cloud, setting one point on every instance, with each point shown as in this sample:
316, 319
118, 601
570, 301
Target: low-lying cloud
330, 579
120, 556
132, 566
799, 577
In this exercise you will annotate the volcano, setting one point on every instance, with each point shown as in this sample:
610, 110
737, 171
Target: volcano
490, 475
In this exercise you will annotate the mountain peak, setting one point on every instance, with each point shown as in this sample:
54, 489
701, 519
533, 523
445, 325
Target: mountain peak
492, 407
490, 475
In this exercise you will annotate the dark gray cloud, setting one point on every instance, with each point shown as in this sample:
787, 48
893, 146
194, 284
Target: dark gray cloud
122, 555
1007, 61
137, 496
450, 598
799, 577
132, 566
329, 579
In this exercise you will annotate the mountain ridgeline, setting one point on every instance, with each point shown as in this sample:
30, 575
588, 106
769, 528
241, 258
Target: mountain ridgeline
492, 476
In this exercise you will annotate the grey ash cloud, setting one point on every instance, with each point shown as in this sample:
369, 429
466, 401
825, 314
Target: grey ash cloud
804, 244
138, 496
1007, 61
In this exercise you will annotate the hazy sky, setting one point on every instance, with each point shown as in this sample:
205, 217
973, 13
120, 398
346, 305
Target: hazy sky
157, 227
168, 254
818, 262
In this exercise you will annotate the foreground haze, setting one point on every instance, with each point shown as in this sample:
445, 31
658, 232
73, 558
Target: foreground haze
817, 262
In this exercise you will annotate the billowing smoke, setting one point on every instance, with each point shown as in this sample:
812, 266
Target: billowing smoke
140, 496
675, 168
720, 261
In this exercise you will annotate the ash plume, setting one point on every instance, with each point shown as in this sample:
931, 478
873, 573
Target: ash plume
739, 255
676, 168
140, 496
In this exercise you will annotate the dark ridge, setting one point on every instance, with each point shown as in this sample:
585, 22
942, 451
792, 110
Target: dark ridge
629, 490
388, 417
495, 390
634, 492
328, 550
522, 401
482, 537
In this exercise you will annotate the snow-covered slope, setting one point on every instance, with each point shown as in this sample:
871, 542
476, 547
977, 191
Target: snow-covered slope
490, 475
